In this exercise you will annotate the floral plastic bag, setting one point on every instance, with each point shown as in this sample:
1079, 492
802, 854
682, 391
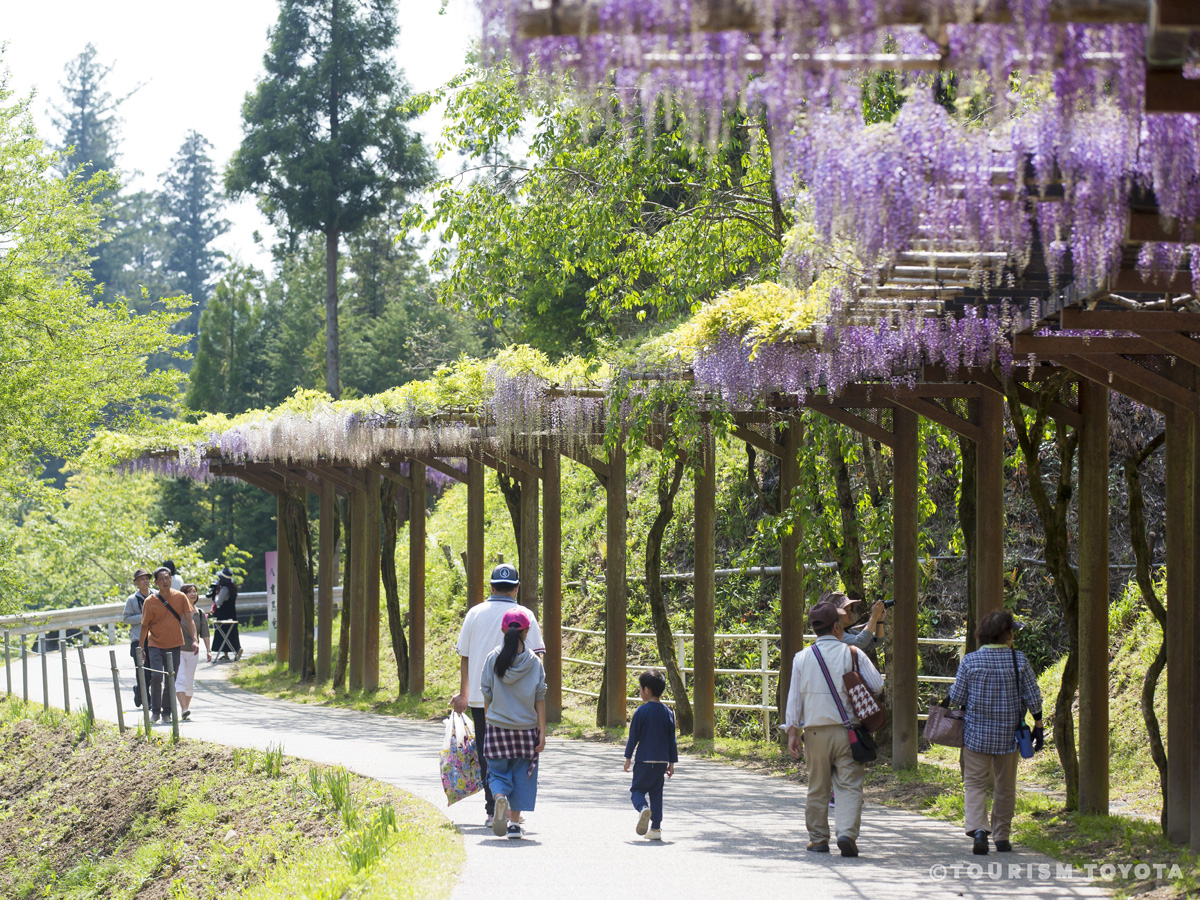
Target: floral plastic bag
459, 759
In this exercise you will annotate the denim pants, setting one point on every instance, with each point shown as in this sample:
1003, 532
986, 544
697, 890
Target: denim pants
156, 665
648, 780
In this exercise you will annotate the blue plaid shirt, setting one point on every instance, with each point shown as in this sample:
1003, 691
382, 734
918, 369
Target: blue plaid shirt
987, 684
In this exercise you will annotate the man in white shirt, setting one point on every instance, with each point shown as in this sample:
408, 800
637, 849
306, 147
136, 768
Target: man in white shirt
480, 635
811, 707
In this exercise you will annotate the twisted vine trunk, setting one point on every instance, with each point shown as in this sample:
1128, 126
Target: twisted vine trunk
387, 568
668, 487
343, 654
1141, 554
849, 554
299, 539
1053, 516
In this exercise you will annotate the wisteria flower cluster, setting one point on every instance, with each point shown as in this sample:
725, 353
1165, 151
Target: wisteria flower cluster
1048, 156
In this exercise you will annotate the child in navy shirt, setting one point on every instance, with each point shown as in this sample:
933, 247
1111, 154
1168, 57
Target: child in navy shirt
652, 733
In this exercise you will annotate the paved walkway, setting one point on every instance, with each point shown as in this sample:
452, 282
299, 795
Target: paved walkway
728, 833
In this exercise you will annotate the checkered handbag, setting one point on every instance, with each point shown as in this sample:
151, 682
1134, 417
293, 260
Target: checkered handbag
866, 707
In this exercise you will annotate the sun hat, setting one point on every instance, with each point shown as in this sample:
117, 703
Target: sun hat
842, 601
516, 616
140, 573
824, 614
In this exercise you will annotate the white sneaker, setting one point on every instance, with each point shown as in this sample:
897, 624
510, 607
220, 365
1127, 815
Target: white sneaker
643, 822
487, 823
655, 834
500, 822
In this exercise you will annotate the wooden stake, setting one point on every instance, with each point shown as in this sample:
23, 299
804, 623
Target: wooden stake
45, 677
139, 661
116, 675
87, 687
475, 520
62, 646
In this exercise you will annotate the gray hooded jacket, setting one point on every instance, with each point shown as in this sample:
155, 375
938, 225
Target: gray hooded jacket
510, 700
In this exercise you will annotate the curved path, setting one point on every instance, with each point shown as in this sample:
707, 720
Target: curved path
728, 833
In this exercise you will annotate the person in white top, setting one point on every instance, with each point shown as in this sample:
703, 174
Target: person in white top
480, 635
812, 708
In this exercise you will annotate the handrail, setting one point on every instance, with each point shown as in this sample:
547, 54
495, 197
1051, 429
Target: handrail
83, 617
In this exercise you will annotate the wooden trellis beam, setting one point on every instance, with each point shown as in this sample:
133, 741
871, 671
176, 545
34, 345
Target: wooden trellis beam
1177, 345
1129, 320
578, 18
864, 426
940, 415
584, 458
1093, 371
441, 466
391, 474
1072, 345
1164, 387
758, 441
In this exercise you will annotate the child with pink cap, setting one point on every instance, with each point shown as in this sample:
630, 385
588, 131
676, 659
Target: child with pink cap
514, 693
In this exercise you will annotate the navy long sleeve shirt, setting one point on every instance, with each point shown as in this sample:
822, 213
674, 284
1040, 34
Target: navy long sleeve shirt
652, 733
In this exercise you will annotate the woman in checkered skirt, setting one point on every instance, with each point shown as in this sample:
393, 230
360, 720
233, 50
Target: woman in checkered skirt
514, 694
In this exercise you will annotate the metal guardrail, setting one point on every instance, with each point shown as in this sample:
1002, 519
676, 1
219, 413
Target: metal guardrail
252, 604
763, 672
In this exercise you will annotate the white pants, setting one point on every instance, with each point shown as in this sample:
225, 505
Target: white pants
185, 679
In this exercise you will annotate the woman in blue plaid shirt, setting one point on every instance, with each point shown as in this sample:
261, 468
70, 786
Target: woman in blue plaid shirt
996, 684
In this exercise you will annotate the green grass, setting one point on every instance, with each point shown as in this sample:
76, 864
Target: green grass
198, 821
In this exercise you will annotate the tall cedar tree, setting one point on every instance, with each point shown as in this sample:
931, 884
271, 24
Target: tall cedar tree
191, 205
326, 146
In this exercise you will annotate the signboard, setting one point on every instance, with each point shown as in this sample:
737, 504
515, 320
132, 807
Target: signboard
272, 595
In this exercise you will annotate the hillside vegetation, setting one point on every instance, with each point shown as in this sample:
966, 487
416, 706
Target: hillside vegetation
86, 813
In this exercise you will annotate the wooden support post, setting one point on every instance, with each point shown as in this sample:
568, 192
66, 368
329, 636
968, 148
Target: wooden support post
552, 581
989, 493
1179, 540
327, 566
527, 553
116, 675
1093, 599
416, 579
615, 605
283, 583
371, 608
475, 518
62, 647
903, 648
358, 591
1194, 652
704, 680
791, 590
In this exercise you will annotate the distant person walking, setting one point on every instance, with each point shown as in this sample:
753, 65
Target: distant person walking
513, 684
167, 631
185, 683
224, 592
652, 749
997, 685
132, 616
480, 634
815, 706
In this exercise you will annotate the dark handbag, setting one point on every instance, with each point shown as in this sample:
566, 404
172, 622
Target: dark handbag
862, 745
866, 707
945, 725
1022, 736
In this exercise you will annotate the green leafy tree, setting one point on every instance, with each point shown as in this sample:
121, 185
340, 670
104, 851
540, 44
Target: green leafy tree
191, 205
604, 224
326, 144
227, 375
66, 363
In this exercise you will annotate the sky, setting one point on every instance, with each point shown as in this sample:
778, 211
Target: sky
192, 65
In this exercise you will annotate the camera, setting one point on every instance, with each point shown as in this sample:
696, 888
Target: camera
889, 603
212, 590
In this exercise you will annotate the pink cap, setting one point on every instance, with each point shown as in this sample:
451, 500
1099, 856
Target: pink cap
517, 617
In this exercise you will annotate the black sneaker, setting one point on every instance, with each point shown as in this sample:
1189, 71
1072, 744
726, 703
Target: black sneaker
1003, 846
185, 714
515, 832
981, 843
847, 846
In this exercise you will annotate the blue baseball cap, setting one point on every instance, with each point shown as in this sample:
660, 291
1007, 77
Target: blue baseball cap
506, 575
